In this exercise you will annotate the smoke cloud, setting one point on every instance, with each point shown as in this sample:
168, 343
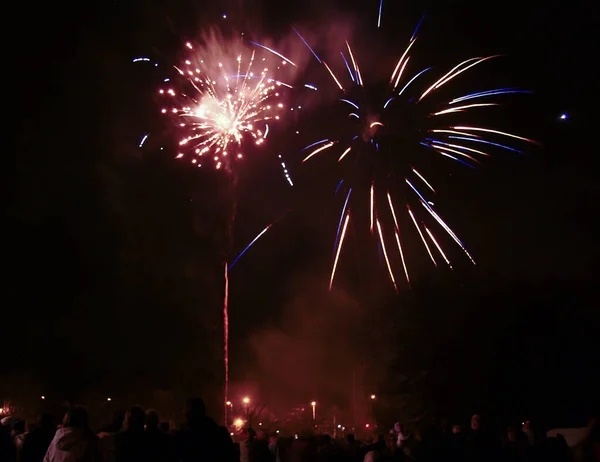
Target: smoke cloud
322, 341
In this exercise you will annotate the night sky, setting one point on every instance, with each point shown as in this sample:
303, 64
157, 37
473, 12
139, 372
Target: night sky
113, 253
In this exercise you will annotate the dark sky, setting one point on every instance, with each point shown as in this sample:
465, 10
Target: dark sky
113, 253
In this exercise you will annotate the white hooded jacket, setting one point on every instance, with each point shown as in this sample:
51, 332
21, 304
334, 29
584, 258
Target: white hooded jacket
73, 445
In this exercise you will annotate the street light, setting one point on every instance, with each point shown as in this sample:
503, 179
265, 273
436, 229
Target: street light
108, 399
246, 402
373, 396
314, 409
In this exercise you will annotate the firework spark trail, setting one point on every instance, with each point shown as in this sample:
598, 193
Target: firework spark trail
456, 142
462, 108
372, 206
358, 76
423, 179
274, 52
475, 140
339, 249
241, 254
448, 230
318, 150
397, 233
337, 236
216, 105
487, 130
418, 27
402, 256
226, 337
458, 146
385, 255
401, 60
412, 80
438, 247
483, 94
315, 144
307, 45
344, 154
421, 234
333, 76
347, 66
446, 154
454, 72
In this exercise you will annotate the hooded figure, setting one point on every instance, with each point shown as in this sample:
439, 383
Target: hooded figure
75, 442
201, 439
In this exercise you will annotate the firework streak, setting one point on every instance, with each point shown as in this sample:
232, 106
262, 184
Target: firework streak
388, 202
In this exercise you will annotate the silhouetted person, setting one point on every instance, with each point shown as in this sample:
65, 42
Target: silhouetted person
376, 450
352, 452
36, 442
479, 446
201, 439
247, 445
18, 433
108, 434
592, 445
8, 450
159, 443
417, 447
130, 443
260, 449
514, 448
457, 445
117, 423
75, 441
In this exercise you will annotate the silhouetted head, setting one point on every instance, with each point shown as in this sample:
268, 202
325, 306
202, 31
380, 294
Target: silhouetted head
135, 418
476, 422
350, 438
45, 421
165, 426
456, 428
152, 419
18, 427
195, 410
76, 417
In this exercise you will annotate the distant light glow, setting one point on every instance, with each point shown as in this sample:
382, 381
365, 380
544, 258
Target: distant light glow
563, 117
